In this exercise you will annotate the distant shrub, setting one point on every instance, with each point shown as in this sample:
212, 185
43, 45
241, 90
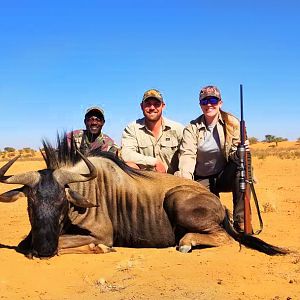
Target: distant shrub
27, 149
273, 139
253, 140
280, 139
9, 149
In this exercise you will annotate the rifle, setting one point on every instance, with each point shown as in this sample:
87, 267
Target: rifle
246, 178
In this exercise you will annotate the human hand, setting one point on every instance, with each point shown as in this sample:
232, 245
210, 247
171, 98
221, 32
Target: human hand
247, 145
160, 167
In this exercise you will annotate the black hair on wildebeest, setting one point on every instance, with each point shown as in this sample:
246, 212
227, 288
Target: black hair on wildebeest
89, 204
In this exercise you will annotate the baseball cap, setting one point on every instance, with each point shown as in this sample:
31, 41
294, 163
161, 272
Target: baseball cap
209, 91
95, 109
153, 94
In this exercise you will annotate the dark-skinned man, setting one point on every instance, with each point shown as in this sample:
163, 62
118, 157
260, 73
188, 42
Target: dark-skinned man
92, 137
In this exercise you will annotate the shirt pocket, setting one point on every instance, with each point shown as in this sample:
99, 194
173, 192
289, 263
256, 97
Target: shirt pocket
146, 147
169, 143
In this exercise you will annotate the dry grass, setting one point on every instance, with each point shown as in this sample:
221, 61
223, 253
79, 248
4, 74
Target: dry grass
292, 152
24, 156
260, 150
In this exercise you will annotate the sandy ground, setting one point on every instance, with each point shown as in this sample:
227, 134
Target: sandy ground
227, 272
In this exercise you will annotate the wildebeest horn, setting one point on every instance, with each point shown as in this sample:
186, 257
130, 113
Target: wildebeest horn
4, 169
64, 177
28, 178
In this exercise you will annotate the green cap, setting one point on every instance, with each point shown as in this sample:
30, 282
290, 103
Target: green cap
153, 94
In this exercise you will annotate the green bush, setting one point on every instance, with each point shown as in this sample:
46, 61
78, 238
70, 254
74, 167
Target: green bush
253, 140
9, 149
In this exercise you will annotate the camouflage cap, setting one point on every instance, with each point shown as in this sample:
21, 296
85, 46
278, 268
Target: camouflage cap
153, 94
209, 91
96, 109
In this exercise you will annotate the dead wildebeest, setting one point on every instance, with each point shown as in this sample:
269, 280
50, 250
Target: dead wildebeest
95, 203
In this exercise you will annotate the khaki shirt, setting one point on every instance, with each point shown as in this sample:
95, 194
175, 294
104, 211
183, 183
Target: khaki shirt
140, 146
228, 127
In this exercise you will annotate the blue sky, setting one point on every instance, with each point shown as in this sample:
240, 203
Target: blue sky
59, 57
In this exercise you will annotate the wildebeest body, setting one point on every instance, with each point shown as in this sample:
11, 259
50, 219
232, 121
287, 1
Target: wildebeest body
140, 216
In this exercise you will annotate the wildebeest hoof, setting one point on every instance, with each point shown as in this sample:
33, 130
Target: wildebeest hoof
101, 248
29, 255
185, 248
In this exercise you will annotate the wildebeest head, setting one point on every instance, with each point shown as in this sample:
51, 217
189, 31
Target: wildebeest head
47, 193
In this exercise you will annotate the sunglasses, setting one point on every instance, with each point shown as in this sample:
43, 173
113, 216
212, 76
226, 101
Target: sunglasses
212, 101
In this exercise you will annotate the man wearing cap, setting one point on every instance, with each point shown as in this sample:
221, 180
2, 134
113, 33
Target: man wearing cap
208, 152
151, 143
92, 138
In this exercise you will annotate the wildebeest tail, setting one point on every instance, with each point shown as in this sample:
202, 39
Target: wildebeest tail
251, 241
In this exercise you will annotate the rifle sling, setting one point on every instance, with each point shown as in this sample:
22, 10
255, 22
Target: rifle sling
257, 208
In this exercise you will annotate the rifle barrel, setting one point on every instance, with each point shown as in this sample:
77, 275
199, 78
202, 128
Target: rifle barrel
242, 129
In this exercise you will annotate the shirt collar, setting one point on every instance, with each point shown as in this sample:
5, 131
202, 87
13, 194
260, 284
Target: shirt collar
166, 124
201, 121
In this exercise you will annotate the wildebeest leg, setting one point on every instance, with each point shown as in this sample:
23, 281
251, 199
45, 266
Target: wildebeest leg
200, 213
72, 244
213, 239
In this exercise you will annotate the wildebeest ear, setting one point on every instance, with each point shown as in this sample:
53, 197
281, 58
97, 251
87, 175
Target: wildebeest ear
78, 199
12, 195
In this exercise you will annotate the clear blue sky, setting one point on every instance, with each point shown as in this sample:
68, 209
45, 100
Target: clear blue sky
59, 57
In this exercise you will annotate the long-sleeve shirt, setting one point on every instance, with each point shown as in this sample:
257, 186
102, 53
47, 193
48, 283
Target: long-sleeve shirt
141, 147
228, 129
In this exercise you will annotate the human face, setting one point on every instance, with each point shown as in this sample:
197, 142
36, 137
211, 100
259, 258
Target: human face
152, 109
94, 123
210, 110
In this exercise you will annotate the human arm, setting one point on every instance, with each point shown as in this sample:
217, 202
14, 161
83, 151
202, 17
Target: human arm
188, 153
131, 150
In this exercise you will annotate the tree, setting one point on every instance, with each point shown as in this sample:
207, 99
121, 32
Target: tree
269, 138
272, 138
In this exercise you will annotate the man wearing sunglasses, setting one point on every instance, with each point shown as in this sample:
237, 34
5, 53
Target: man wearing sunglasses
92, 137
208, 151
151, 143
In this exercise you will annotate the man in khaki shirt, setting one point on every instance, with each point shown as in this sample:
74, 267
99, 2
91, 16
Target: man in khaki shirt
152, 142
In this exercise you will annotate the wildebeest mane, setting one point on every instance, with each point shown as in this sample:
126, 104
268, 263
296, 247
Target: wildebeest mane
65, 153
